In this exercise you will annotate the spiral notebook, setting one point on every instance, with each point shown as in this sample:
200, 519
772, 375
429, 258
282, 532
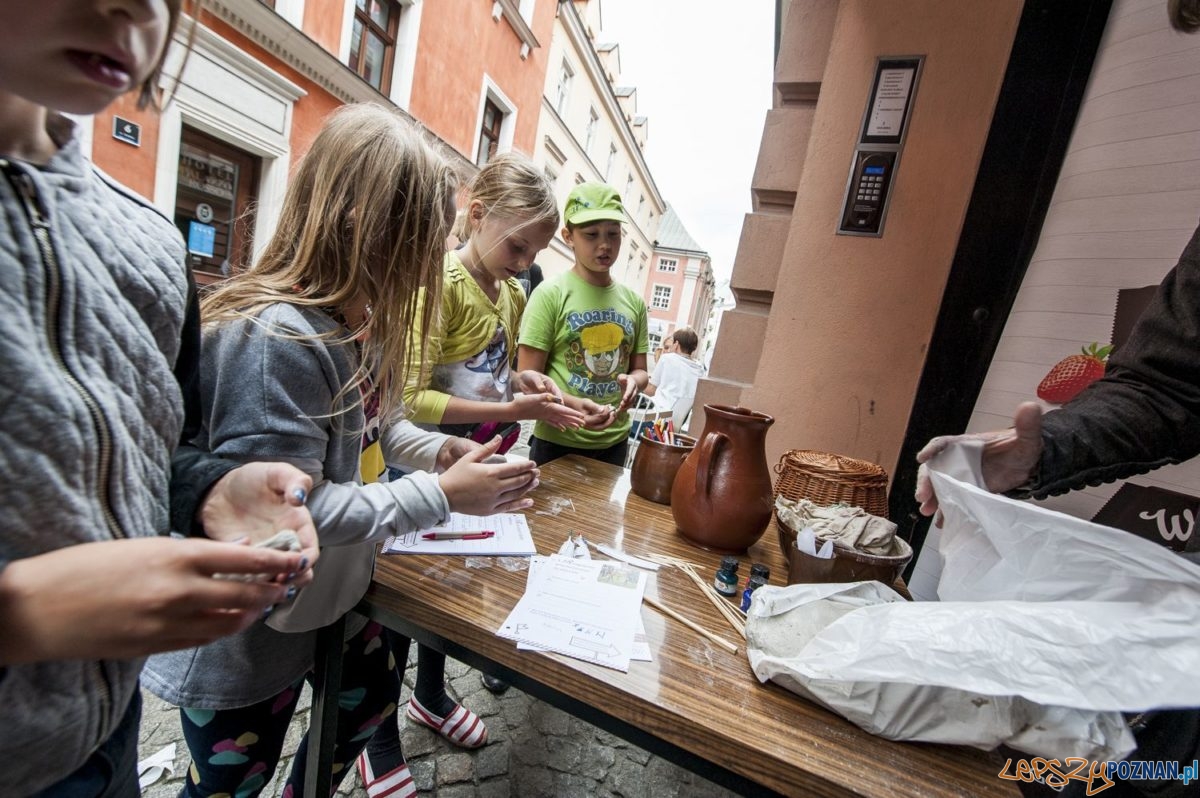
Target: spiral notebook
512, 537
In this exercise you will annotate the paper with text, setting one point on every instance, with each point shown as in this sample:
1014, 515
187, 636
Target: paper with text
512, 538
641, 643
587, 609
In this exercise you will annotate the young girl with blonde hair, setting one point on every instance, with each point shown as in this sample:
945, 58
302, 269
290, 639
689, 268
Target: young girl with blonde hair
511, 215
305, 360
471, 390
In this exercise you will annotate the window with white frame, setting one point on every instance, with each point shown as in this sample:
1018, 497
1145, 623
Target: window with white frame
662, 297
628, 185
564, 88
373, 41
590, 132
641, 203
489, 133
668, 264
612, 158
495, 123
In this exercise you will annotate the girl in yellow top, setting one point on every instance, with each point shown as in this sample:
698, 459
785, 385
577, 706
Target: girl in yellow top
470, 390
511, 215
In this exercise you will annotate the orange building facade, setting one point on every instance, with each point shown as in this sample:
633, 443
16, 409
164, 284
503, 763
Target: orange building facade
261, 77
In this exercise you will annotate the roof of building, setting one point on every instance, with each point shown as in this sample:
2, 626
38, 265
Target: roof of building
673, 235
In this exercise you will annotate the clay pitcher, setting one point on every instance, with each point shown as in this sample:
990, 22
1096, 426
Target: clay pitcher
721, 497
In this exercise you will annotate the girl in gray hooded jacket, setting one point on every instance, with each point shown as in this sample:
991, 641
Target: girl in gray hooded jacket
304, 360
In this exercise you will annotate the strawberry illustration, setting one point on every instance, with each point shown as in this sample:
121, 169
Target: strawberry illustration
1072, 374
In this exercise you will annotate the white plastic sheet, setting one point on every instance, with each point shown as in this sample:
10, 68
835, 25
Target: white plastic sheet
1049, 627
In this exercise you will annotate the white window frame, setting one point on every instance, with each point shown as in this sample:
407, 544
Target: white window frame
612, 159
526, 9
491, 91
565, 76
292, 11
404, 60
660, 298
254, 114
628, 185
668, 264
589, 133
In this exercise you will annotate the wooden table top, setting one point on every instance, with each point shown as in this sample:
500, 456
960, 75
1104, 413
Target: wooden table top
695, 696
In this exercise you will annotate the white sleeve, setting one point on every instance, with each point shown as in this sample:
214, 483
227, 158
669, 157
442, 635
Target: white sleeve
408, 446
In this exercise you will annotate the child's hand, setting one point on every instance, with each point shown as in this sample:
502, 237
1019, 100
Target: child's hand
120, 599
453, 450
547, 407
597, 416
477, 488
630, 393
257, 500
530, 381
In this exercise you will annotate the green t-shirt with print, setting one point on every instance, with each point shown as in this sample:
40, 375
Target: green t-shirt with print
589, 335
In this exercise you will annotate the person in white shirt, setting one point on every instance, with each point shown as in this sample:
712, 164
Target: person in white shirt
673, 383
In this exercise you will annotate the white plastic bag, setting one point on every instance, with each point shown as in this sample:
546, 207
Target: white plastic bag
1049, 627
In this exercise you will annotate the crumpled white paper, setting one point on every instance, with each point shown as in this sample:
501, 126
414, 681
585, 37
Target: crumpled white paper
1049, 628
155, 766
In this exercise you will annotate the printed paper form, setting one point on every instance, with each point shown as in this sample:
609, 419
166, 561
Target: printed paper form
587, 609
641, 643
512, 538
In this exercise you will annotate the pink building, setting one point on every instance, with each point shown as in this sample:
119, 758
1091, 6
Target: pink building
680, 289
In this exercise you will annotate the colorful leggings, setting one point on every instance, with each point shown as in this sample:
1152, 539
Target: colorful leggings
235, 751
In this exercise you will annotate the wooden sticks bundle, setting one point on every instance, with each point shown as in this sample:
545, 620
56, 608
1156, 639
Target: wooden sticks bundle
727, 610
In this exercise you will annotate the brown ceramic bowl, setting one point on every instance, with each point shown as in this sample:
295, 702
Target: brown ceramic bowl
655, 464
848, 565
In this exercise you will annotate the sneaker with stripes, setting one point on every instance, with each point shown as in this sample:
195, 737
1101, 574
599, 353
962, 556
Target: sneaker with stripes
397, 783
461, 727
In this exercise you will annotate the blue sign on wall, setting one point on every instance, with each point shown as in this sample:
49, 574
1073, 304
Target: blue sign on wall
201, 238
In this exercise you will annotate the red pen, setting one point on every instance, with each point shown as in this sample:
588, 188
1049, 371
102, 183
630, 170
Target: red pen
481, 535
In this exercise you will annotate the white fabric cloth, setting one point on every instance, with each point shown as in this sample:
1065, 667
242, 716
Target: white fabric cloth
850, 527
674, 380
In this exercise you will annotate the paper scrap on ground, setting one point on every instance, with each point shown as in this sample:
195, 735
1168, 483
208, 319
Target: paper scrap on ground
512, 538
587, 609
155, 766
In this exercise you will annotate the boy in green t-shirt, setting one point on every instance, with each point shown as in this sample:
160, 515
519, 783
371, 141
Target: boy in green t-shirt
588, 333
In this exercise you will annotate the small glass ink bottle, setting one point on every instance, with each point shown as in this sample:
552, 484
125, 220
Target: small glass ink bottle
759, 576
726, 581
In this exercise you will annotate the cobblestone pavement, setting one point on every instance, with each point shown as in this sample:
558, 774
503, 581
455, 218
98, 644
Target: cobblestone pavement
533, 751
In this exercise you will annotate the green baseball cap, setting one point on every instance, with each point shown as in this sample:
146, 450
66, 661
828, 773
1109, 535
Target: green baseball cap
593, 202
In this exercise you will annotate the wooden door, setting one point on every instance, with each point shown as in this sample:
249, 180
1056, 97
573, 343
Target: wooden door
215, 199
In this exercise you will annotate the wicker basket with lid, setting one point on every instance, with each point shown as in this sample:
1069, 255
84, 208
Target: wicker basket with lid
826, 479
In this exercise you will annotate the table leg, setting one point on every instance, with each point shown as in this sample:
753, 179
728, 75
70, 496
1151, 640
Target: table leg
322, 727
